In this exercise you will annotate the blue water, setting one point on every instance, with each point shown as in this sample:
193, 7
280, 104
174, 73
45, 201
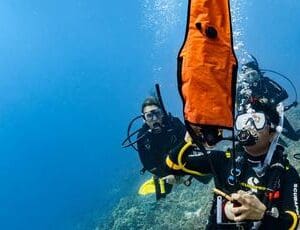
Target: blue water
73, 73
272, 35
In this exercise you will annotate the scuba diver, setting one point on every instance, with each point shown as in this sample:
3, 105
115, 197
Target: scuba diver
252, 81
258, 188
159, 134
263, 188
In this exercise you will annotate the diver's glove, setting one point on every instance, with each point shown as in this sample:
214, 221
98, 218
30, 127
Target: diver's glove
208, 136
172, 179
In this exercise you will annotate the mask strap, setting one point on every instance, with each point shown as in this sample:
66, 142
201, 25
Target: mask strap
143, 117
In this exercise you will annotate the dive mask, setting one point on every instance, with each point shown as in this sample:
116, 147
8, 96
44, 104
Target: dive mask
250, 75
149, 116
248, 120
247, 126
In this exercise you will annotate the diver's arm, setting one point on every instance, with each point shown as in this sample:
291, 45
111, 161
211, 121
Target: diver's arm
281, 93
171, 162
145, 155
291, 199
180, 128
289, 131
289, 211
187, 159
294, 104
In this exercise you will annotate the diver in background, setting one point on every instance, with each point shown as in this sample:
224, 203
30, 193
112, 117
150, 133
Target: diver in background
252, 81
159, 134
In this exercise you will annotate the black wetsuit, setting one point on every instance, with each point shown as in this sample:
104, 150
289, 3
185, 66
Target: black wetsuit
153, 148
281, 178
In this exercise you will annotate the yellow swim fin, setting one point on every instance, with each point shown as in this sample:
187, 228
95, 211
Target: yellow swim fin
147, 188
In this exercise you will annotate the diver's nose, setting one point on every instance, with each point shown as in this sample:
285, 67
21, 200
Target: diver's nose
155, 118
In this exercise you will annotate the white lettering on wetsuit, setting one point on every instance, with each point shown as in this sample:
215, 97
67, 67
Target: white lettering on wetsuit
197, 153
253, 181
295, 196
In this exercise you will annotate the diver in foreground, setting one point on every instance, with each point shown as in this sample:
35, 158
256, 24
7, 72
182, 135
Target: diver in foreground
259, 189
265, 194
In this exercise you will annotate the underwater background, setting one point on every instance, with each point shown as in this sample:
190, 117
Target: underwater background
74, 73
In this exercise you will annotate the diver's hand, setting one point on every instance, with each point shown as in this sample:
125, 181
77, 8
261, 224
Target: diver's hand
251, 208
187, 137
172, 179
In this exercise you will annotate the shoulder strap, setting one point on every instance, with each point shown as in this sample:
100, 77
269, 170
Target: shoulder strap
276, 170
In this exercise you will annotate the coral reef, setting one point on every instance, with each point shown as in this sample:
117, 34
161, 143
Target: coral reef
184, 208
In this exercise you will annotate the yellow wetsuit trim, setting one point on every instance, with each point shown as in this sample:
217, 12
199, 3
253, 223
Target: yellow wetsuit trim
287, 168
171, 164
162, 186
228, 154
181, 152
253, 186
295, 219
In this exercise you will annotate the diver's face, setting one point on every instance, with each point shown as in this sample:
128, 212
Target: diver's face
261, 146
247, 126
254, 132
153, 117
250, 75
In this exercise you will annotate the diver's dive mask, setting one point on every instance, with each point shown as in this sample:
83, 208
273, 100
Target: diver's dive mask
247, 126
154, 119
250, 119
151, 115
251, 76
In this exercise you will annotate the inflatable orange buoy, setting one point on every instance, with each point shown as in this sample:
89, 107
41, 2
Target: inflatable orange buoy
207, 66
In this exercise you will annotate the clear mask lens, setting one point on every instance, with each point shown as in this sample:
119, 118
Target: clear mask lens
248, 119
149, 116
